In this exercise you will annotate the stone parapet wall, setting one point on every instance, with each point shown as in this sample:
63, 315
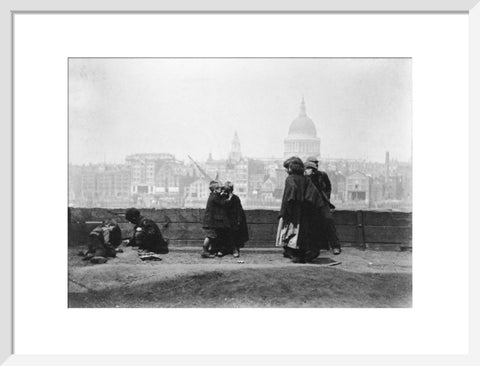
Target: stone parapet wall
383, 230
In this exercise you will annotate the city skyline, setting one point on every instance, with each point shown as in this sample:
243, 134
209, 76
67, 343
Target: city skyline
361, 108
226, 157
158, 180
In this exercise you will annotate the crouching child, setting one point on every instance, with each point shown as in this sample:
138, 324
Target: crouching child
103, 242
146, 233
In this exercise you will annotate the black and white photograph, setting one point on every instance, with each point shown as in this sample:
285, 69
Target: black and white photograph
239, 182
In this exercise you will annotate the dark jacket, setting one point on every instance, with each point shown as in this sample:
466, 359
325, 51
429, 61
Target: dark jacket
108, 233
148, 236
238, 222
107, 237
316, 207
322, 182
216, 212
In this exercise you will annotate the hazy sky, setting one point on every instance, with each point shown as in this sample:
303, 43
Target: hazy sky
361, 107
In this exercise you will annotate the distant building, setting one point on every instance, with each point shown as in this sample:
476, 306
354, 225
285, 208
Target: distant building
74, 183
267, 189
339, 190
387, 166
113, 185
196, 193
393, 188
377, 191
161, 181
302, 137
358, 188
89, 194
280, 177
171, 178
143, 169
337, 181
256, 176
234, 169
405, 171
99, 185
237, 173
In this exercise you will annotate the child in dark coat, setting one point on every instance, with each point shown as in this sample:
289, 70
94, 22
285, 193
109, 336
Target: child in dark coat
215, 221
238, 222
146, 233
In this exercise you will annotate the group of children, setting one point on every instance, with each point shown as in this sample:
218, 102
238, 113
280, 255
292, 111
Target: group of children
224, 223
306, 223
104, 240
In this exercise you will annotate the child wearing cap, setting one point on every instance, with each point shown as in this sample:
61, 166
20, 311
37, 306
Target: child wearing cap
324, 232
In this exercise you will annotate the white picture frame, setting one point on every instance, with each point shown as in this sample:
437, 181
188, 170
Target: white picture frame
8, 11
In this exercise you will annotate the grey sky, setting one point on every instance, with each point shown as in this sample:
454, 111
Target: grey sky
361, 107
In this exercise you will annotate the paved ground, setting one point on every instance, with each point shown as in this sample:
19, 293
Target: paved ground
256, 279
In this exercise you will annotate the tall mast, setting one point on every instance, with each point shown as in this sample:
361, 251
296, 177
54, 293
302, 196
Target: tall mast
205, 175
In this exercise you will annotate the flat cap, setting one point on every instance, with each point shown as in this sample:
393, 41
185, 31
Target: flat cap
313, 159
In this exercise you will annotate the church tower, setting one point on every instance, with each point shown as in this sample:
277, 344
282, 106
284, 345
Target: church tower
235, 152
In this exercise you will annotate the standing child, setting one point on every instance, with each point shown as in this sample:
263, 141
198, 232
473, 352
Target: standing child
215, 221
238, 221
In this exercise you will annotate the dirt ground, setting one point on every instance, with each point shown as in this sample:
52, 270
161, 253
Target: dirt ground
259, 278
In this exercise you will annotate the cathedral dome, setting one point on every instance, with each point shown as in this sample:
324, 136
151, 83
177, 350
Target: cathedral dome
302, 125
302, 137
